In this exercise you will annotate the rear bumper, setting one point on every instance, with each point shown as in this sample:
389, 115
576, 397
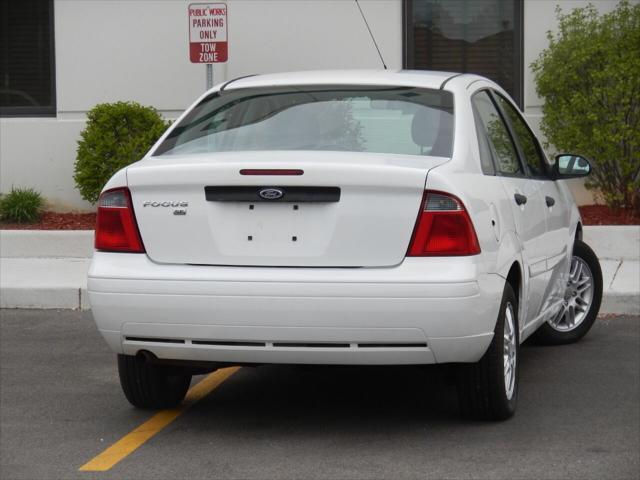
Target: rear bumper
426, 310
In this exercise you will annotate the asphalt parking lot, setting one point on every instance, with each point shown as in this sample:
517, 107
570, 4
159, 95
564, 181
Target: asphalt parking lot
61, 406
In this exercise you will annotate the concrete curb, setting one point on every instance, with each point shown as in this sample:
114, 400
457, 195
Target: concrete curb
614, 241
62, 283
45, 298
47, 269
609, 242
46, 243
44, 283
620, 304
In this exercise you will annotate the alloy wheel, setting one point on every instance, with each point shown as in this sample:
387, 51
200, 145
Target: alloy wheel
510, 349
577, 298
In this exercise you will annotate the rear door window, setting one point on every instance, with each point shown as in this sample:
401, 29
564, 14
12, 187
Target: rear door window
529, 146
497, 136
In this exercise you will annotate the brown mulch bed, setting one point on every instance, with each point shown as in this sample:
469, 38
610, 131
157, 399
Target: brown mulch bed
591, 215
56, 221
603, 215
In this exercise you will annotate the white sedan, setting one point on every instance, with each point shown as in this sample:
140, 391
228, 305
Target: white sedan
342, 217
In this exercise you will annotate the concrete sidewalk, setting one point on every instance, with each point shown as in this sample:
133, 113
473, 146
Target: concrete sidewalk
48, 269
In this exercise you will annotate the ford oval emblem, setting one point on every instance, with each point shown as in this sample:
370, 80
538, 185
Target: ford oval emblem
271, 193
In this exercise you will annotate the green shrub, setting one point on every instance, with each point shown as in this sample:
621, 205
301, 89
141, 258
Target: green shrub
589, 78
21, 205
116, 135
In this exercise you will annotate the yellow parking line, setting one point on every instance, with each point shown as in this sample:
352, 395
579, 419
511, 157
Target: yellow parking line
130, 442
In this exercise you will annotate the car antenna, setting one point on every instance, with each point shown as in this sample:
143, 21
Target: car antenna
371, 33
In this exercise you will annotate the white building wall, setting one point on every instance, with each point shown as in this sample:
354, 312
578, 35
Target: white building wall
110, 50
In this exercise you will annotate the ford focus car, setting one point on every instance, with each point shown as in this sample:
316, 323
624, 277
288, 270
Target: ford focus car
345, 218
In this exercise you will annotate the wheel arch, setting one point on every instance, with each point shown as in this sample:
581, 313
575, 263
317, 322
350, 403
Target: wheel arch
510, 266
514, 278
578, 235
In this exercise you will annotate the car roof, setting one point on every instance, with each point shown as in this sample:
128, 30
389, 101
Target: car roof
410, 78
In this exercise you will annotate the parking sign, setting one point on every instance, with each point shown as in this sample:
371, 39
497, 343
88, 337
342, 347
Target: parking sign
208, 32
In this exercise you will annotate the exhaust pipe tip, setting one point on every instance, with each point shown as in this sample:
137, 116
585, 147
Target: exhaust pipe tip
145, 356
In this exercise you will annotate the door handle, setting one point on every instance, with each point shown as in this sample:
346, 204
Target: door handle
520, 199
550, 201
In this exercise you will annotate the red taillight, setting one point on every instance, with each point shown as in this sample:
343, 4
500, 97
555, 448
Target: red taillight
443, 228
116, 227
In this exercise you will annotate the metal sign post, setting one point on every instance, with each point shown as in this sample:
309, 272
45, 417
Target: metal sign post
208, 35
209, 76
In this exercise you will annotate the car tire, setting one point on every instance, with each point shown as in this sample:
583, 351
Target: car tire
485, 390
550, 332
151, 386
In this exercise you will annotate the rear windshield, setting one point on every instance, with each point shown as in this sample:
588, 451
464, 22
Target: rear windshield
397, 120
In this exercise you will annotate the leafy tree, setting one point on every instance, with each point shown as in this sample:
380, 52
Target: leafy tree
116, 135
589, 78
338, 127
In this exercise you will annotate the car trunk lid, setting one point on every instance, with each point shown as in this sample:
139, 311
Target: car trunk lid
345, 209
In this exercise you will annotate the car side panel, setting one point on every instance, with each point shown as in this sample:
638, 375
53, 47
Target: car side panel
483, 196
490, 189
565, 222
490, 212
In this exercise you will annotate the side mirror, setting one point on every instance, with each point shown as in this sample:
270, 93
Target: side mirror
569, 165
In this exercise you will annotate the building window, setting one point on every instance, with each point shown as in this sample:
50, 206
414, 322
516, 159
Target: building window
471, 36
27, 72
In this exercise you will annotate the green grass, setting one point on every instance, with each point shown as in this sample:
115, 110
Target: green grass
21, 205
